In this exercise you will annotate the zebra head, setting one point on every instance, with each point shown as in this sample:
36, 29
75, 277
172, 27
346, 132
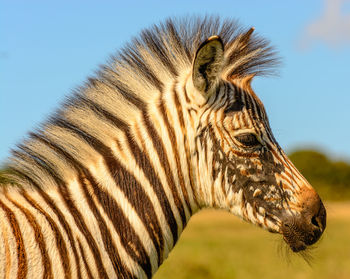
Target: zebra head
241, 166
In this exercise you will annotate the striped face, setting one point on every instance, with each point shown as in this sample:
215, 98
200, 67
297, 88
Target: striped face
241, 166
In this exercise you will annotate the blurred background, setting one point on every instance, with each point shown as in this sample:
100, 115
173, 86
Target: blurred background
49, 48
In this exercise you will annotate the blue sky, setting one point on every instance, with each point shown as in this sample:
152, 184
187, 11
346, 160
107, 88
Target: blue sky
47, 49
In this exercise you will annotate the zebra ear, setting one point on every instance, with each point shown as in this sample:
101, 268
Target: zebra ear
207, 64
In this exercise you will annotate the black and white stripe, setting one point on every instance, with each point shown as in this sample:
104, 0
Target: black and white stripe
106, 186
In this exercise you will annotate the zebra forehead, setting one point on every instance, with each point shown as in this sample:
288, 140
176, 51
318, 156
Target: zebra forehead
241, 97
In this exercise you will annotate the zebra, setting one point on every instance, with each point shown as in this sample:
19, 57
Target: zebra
169, 126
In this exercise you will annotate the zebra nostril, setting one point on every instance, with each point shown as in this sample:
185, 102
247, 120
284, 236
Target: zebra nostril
319, 219
314, 221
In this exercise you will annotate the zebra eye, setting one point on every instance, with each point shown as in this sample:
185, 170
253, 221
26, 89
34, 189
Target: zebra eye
248, 139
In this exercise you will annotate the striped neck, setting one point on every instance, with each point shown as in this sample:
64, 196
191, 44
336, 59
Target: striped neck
136, 179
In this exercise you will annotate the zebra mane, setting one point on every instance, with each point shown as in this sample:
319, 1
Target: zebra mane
166, 49
123, 87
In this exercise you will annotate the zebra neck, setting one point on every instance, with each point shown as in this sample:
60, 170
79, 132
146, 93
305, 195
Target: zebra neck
107, 188
128, 224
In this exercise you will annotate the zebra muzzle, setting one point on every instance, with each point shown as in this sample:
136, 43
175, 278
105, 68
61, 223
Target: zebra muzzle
304, 230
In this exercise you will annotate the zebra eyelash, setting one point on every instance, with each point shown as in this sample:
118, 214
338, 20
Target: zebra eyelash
248, 140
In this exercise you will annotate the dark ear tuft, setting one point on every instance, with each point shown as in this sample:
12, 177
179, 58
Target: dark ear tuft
207, 64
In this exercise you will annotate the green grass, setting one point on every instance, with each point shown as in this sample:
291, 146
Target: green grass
218, 245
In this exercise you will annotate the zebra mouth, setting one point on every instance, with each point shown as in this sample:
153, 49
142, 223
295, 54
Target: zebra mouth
298, 239
295, 245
